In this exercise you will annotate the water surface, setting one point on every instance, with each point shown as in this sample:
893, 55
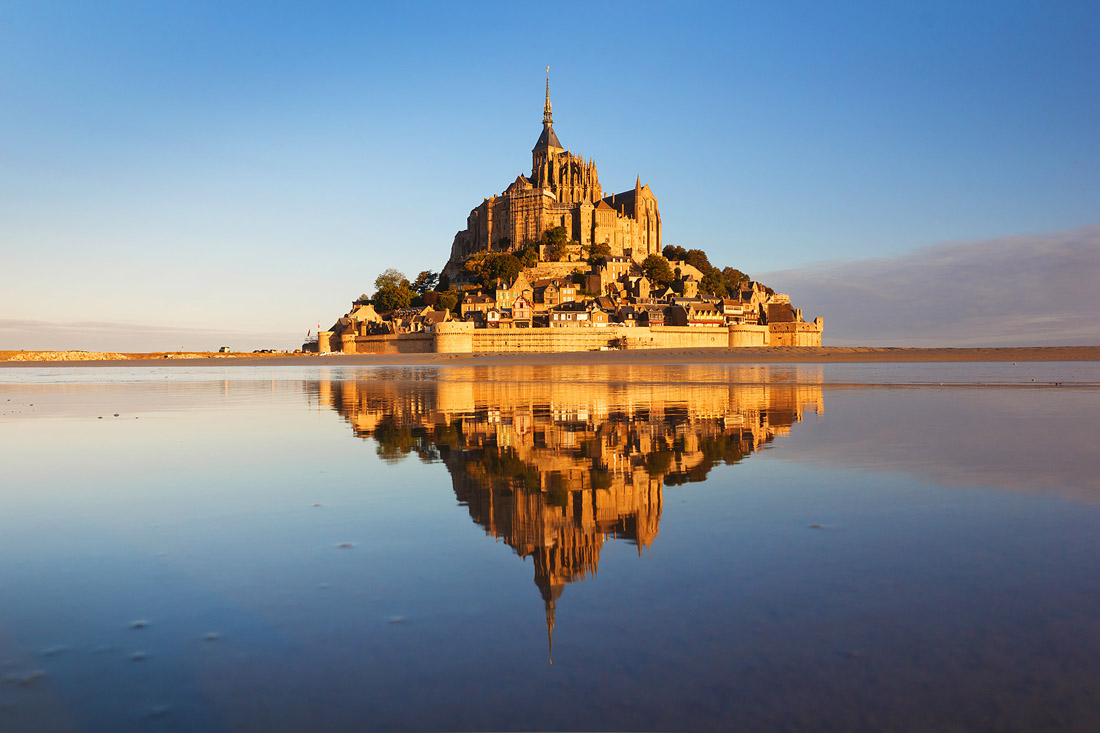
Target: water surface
850, 546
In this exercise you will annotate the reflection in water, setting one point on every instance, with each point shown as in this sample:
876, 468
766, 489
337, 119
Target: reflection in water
555, 466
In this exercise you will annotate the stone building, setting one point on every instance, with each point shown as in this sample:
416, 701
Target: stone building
563, 190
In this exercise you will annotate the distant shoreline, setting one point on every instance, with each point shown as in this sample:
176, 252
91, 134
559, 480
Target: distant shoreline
807, 355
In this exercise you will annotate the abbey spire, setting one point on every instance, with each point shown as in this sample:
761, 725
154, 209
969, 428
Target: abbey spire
547, 116
548, 140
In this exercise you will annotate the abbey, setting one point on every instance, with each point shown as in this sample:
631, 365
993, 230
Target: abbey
562, 190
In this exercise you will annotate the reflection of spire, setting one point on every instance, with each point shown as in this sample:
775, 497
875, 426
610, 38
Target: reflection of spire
550, 628
550, 588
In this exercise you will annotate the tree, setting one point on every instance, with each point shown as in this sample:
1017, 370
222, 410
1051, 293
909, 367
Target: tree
425, 281
393, 291
555, 241
447, 301
672, 252
657, 269
733, 278
473, 267
529, 256
501, 267
598, 253
697, 258
714, 283
390, 278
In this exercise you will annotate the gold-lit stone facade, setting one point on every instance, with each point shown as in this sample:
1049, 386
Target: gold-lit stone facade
563, 190
554, 466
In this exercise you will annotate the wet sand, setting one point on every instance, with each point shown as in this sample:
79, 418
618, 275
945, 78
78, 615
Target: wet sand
822, 355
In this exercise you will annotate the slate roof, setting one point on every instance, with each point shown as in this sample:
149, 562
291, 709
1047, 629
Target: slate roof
548, 138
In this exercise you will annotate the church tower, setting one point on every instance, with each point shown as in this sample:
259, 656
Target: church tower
547, 149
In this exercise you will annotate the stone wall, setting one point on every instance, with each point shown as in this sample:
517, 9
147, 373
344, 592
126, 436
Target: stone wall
405, 343
453, 338
795, 333
745, 335
676, 337
462, 338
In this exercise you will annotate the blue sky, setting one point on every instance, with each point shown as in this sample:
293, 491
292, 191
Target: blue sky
171, 171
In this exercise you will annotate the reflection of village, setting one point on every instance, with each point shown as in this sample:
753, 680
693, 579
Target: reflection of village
555, 466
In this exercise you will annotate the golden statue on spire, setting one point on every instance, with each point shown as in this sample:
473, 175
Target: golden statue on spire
547, 117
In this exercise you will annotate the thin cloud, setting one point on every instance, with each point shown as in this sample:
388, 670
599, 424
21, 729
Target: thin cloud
33, 335
1011, 291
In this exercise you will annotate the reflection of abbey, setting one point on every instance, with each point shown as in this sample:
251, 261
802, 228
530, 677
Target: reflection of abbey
562, 190
554, 264
555, 467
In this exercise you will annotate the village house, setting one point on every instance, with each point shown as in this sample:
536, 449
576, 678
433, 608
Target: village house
476, 302
697, 313
549, 292
506, 294
520, 311
568, 314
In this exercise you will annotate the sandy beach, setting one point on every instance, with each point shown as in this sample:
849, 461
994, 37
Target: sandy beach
823, 355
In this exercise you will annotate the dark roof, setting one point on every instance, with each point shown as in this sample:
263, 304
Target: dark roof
622, 202
781, 313
548, 138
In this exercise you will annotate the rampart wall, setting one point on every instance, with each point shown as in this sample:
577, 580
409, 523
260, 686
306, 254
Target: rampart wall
796, 333
405, 343
463, 338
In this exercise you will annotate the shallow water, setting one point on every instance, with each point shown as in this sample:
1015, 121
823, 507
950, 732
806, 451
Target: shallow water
849, 546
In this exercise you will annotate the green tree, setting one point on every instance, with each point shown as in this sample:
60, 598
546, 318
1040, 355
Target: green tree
733, 278
658, 270
555, 241
425, 281
697, 258
528, 256
598, 253
474, 266
714, 283
444, 284
447, 301
393, 291
672, 252
501, 267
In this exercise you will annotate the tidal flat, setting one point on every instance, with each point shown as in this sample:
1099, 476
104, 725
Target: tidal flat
845, 546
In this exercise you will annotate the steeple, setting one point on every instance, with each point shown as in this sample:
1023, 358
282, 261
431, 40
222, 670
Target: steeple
547, 116
547, 140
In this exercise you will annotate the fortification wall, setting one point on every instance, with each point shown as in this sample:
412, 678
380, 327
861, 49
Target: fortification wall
463, 338
795, 333
455, 337
543, 339
743, 335
578, 338
676, 337
404, 343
